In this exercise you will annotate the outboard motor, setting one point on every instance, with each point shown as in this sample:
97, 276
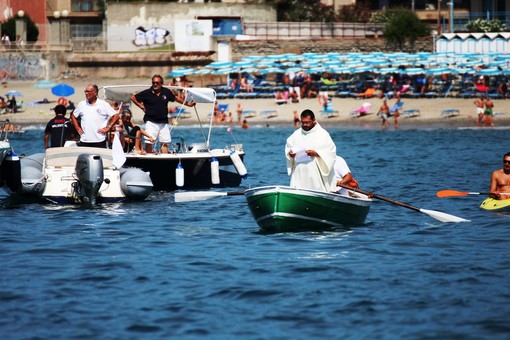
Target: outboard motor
90, 175
11, 172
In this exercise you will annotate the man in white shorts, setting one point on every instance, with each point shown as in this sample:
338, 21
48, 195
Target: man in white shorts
154, 103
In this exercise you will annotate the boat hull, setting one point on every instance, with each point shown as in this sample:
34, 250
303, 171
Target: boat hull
197, 169
281, 209
495, 205
64, 176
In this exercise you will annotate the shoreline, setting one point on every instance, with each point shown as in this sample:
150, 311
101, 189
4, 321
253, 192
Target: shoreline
429, 109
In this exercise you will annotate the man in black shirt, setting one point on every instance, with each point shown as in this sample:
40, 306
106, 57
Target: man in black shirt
154, 103
59, 129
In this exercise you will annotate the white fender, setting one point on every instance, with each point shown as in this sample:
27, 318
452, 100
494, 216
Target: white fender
239, 165
179, 175
215, 171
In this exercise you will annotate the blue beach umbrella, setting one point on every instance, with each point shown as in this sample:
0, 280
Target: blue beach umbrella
14, 94
62, 90
181, 72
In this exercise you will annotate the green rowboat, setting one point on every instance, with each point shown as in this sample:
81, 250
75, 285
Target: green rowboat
283, 208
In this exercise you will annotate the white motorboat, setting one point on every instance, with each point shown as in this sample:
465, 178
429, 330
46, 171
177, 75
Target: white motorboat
194, 165
74, 175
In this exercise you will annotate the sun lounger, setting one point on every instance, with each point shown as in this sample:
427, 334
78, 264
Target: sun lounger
362, 111
397, 107
269, 113
249, 113
410, 113
329, 111
181, 112
450, 113
369, 93
281, 97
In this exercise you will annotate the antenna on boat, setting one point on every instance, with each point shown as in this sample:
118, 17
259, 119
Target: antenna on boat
230, 130
201, 127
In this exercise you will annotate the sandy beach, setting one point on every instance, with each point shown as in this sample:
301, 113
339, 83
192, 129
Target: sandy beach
430, 109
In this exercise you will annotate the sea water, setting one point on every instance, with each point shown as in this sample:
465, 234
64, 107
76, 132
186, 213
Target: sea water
158, 269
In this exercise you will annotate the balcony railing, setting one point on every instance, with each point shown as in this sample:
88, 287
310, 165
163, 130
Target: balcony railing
311, 30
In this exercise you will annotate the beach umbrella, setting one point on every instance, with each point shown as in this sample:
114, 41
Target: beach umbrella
181, 72
220, 64
272, 70
14, 94
62, 90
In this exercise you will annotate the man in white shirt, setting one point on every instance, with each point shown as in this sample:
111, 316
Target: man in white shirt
311, 154
93, 118
343, 176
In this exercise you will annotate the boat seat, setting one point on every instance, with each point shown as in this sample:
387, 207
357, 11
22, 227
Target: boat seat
66, 156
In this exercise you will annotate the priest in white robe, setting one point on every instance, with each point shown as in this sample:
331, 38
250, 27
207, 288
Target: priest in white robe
311, 155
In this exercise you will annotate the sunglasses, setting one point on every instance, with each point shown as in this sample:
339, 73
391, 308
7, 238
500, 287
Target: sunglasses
156, 83
506, 161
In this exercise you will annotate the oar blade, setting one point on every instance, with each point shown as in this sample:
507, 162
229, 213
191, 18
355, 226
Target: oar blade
443, 217
451, 193
197, 196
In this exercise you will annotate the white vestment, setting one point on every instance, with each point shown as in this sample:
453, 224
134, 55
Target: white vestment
311, 172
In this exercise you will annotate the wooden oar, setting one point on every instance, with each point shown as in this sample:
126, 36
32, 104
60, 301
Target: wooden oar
455, 193
438, 215
203, 195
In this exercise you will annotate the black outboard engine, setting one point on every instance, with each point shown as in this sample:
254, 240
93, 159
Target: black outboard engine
90, 175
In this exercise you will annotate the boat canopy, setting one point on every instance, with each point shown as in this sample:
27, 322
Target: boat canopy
122, 93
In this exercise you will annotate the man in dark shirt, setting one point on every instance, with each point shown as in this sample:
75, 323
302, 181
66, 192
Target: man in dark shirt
59, 129
154, 103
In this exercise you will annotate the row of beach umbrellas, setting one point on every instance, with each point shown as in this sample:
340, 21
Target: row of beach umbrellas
357, 63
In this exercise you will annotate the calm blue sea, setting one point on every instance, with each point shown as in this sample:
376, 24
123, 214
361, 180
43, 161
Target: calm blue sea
157, 269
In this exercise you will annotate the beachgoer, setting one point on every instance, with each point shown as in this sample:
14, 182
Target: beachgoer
297, 122
6, 40
323, 100
245, 124
245, 84
3, 104
383, 112
12, 105
503, 89
239, 111
7, 126
154, 103
395, 112
500, 180
62, 101
71, 106
480, 112
229, 119
59, 129
310, 154
132, 133
93, 118
343, 176
489, 114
